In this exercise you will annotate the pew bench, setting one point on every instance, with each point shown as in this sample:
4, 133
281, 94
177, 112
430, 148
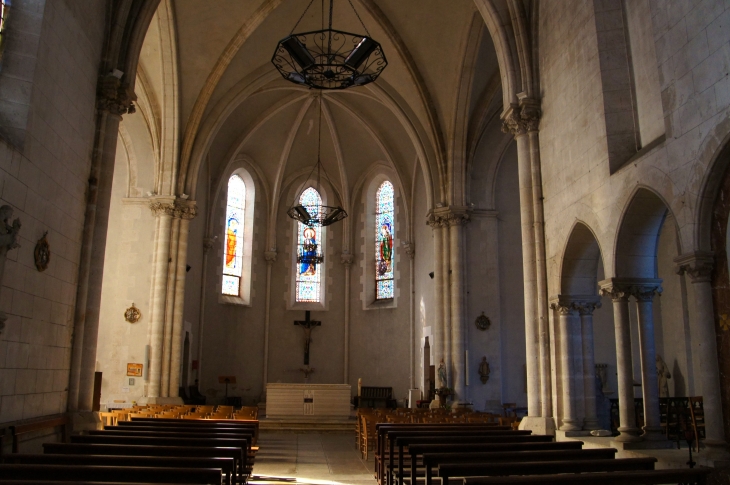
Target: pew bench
434, 460
697, 476
371, 396
20, 429
447, 470
154, 451
194, 422
227, 465
203, 476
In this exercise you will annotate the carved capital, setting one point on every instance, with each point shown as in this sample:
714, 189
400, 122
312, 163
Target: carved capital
586, 308
160, 208
347, 258
270, 257
644, 292
113, 96
522, 118
410, 248
435, 221
448, 216
697, 265
457, 219
185, 209
564, 307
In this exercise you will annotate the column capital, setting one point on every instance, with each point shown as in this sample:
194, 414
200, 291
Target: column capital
270, 257
522, 118
174, 207
185, 209
347, 258
113, 96
162, 206
698, 265
570, 304
642, 289
448, 216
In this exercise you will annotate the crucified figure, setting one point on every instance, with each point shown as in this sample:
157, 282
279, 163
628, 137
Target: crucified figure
307, 325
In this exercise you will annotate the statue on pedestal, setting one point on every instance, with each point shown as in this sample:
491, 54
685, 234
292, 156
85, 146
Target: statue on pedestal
8, 240
663, 376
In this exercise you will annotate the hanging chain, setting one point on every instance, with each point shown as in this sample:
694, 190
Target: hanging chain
319, 143
300, 18
358, 17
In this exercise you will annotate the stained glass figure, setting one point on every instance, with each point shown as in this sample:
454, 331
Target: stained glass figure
384, 234
308, 276
233, 240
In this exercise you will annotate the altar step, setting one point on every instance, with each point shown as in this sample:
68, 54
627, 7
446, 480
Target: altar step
307, 425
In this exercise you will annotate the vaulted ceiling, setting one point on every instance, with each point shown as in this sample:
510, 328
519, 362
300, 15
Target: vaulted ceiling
230, 100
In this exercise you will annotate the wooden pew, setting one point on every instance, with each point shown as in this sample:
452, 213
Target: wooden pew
416, 450
240, 443
643, 477
434, 460
401, 439
210, 476
197, 422
447, 470
77, 482
383, 429
227, 465
20, 429
86, 449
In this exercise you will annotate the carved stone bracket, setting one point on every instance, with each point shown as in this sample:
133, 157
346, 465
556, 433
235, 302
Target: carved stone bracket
698, 265
270, 257
347, 258
522, 118
208, 243
570, 305
410, 248
113, 96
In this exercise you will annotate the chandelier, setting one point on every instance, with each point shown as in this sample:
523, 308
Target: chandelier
328, 58
317, 214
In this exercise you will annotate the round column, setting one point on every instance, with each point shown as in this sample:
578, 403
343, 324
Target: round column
167, 337
456, 232
346, 260
566, 324
650, 386
589, 376
163, 209
437, 340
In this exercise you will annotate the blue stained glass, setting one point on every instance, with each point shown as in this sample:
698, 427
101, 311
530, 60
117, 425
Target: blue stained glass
384, 238
308, 276
233, 239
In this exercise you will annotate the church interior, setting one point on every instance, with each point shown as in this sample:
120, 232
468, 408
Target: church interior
507, 208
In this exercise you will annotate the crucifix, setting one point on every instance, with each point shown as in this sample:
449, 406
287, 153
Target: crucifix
307, 325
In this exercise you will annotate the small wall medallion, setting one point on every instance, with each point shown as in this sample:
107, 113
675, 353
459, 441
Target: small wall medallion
42, 253
132, 315
482, 322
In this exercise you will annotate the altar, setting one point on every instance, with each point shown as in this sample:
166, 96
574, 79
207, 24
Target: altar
285, 400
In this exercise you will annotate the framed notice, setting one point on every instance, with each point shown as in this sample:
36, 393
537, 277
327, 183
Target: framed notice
134, 370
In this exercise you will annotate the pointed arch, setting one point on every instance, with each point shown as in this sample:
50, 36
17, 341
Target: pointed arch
579, 269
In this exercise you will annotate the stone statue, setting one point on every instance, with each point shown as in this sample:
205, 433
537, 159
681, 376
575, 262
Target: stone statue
442, 374
484, 370
663, 376
8, 241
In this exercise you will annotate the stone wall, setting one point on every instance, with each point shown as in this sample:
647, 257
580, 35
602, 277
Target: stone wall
44, 178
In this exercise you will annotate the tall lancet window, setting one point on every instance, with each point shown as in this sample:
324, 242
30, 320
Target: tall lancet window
384, 234
309, 243
234, 235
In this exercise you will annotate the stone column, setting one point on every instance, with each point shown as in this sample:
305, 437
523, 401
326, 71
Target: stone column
162, 208
586, 309
346, 259
169, 306
699, 266
644, 294
514, 123
207, 246
113, 100
456, 220
438, 326
186, 212
568, 323
624, 367
410, 249
270, 257
446, 277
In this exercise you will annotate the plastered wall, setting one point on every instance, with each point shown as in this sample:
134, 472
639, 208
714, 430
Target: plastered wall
45, 181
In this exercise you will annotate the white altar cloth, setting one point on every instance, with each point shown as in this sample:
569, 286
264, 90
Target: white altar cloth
284, 400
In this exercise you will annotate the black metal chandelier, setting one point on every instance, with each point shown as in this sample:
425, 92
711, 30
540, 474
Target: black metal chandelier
328, 58
317, 215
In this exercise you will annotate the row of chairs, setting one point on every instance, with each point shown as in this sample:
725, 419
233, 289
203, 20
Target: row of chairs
184, 411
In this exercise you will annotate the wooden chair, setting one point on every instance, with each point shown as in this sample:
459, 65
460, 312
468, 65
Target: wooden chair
108, 419
368, 435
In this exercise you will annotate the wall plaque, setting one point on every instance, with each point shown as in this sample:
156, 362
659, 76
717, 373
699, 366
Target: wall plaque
134, 370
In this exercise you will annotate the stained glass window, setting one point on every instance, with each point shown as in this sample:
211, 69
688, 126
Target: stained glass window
3, 15
384, 234
233, 240
309, 275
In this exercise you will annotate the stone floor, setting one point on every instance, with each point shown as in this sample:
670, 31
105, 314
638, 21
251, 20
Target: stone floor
310, 458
